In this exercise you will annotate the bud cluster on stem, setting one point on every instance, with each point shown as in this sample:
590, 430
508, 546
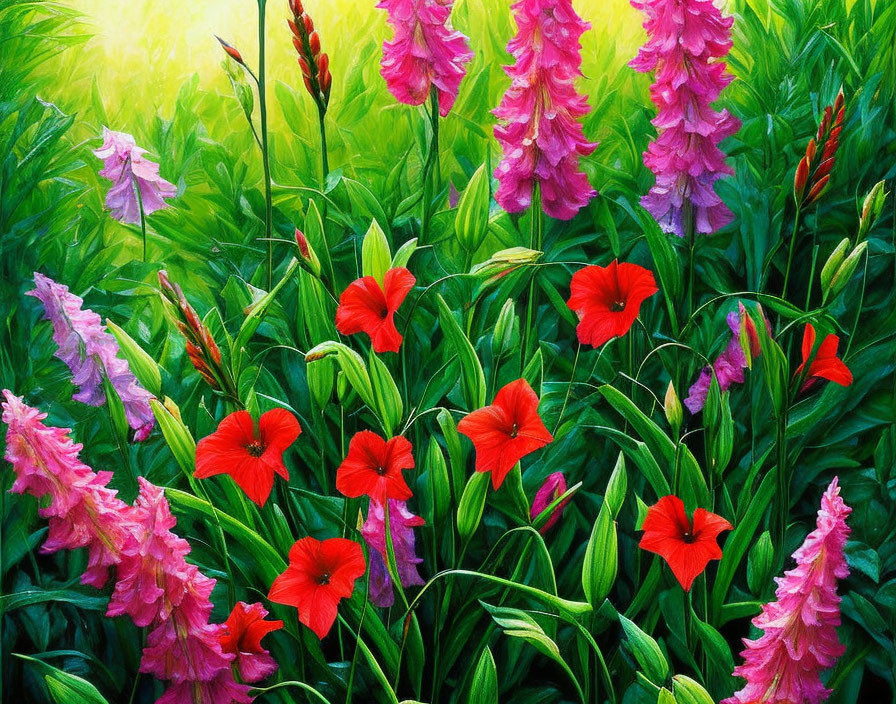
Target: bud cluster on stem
314, 63
813, 174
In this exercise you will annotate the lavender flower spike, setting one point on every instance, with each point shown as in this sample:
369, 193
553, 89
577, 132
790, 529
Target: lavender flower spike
92, 353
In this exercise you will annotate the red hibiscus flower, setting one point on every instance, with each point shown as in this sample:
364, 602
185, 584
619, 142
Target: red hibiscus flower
320, 574
825, 365
373, 468
506, 431
608, 299
241, 635
686, 547
248, 455
365, 306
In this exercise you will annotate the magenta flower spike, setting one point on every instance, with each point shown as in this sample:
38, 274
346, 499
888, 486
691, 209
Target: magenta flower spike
426, 52
403, 544
686, 40
91, 354
155, 585
125, 165
540, 132
800, 629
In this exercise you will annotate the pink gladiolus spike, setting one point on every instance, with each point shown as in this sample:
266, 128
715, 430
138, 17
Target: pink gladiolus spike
403, 523
426, 52
92, 354
82, 510
685, 41
540, 132
800, 629
125, 165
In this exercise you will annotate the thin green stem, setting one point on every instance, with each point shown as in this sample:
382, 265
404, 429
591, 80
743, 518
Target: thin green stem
324, 159
142, 212
783, 480
265, 149
796, 224
431, 167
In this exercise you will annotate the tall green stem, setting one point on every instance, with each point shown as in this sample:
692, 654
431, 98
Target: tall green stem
796, 224
691, 233
265, 151
324, 159
783, 479
431, 167
535, 242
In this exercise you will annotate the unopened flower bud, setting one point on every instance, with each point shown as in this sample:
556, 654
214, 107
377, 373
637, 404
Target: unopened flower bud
832, 264
760, 564
307, 252
553, 488
505, 261
672, 408
231, 51
801, 178
314, 43
502, 338
872, 208
818, 189
847, 268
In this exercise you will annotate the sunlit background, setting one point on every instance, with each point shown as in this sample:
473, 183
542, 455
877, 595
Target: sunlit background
141, 51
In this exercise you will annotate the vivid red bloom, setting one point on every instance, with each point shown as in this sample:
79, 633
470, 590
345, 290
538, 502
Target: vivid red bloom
506, 431
608, 299
320, 574
825, 365
365, 306
686, 547
248, 455
373, 468
241, 635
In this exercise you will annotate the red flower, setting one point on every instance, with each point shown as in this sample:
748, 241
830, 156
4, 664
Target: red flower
685, 547
506, 431
241, 635
365, 306
249, 457
608, 299
373, 468
319, 575
825, 365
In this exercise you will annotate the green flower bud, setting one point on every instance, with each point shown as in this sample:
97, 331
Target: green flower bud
672, 408
872, 208
760, 564
502, 337
847, 268
833, 263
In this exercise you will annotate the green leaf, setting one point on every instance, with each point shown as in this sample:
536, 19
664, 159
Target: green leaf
472, 376
688, 691
471, 218
601, 560
178, 437
386, 397
66, 688
617, 486
404, 253
471, 505
142, 365
375, 254
484, 684
646, 651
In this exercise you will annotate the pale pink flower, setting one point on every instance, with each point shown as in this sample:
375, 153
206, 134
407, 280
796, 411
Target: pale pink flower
800, 629
91, 354
540, 132
686, 39
403, 523
125, 165
425, 53
82, 511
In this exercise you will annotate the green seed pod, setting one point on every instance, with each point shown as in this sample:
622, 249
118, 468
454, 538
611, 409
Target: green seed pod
847, 268
502, 338
872, 208
760, 564
672, 408
601, 558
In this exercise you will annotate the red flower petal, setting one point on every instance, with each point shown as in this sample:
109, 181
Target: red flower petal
318, 576
366, 307
249, 458
373, 467
825, 365
506, 431
686, 548
608, 300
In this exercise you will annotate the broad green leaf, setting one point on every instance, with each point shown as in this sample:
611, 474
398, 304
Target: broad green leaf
484, 684
404, 253
646, 651
375, 254
471, 218
66, 688
601, 560
387, 399
471, 505
472, 376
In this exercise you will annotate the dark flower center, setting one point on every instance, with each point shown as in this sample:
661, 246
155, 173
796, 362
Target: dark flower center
256, 448
688, 537
617, 306
514, 430
324, 579
381, 471
383, 313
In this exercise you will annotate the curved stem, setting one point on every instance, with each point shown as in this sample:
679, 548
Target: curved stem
265, 150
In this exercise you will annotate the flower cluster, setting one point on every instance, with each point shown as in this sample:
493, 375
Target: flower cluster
800, 629
136, 184
425, 54
814, 170
92, 354
314, 63
155, 585
540, 132
685, 41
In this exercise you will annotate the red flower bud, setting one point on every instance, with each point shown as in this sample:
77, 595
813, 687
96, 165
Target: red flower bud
231, 51
802, 176
811, 149
293, 29
314, 42
306, 70
824, 168
817, 189
309, 25
308, 85
302, 242
838, 103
